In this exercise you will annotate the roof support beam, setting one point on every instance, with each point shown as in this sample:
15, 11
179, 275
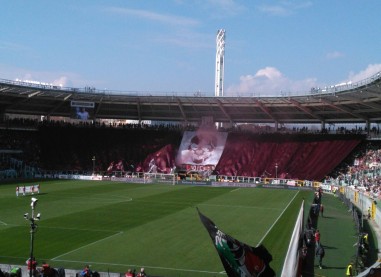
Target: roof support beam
224, 111
265, 110
339, 108
138, 106
56, 107
98, 106
364, 102
305, 109
182, 110
34, 93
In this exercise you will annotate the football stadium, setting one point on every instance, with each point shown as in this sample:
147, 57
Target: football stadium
98, 182
183, 185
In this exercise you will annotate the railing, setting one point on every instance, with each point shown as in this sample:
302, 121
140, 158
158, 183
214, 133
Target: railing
367, 207
326, 90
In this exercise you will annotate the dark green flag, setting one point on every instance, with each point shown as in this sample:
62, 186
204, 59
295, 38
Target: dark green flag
239, 259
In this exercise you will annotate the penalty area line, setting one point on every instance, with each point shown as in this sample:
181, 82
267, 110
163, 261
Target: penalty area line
94, 242
268, 231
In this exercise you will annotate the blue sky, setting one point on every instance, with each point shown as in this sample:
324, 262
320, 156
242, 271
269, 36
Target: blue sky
169, 45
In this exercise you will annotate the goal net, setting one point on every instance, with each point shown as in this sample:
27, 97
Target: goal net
160, 178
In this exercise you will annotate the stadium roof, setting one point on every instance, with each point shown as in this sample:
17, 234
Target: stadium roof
345, 103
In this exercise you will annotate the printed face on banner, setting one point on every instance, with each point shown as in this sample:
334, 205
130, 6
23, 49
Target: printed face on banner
201, 148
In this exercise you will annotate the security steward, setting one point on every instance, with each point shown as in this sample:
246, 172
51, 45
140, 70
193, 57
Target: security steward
349, 270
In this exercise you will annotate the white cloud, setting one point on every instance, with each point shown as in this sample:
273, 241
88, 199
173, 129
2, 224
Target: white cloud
216, 9
269, 81
66, 79
334, 55
371, 70
61, 81
10, 46
227, 6
284, 8
153, 16
275, 10
56, 79
187, 39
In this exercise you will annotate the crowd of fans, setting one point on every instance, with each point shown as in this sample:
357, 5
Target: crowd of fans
31, 137
34, 123
362, 170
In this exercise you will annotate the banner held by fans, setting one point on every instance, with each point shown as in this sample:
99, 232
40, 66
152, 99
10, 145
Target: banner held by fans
238, 258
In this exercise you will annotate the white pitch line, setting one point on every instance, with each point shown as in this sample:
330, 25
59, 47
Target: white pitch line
235, 189
237, 206
78, 229
2, 222
206, 204
112, 198
87, 245
63, 228
145, 266
268, 231
14, 257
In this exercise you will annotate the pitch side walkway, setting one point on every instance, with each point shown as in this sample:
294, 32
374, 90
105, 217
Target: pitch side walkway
338, 237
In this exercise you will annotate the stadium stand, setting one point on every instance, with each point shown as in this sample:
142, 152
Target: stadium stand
343, 160
298, 156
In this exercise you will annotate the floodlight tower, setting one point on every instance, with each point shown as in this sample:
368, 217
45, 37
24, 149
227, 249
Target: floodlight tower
220, 56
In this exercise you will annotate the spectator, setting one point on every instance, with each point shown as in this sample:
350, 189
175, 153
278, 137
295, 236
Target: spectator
142, 273
364, 243
47, 271
349, 271
317, 238
321, 210
304, 252
32, 266
309, 237
320, 253
130, 273
86, 272
15, 272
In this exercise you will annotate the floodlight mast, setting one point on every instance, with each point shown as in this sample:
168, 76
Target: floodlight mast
276, 170
33, 227
93, 159
220, 57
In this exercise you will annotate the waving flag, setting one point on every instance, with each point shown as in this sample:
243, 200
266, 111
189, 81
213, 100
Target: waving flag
238, 258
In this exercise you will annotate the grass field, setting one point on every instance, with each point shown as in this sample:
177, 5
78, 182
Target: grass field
115, 226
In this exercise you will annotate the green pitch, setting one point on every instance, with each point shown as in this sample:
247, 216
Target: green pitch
115, 226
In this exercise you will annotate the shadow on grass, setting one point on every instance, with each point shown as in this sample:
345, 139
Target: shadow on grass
329, 247
334, 267
329, 217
